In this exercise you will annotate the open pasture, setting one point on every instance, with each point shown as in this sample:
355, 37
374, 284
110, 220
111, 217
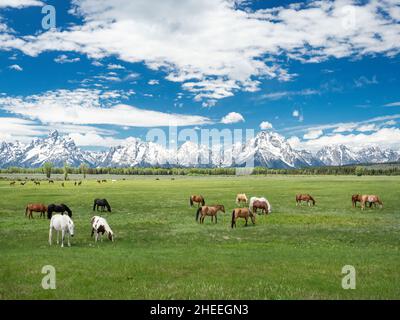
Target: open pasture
160, 252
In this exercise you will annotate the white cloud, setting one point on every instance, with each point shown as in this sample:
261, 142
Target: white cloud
153, 82
20, 3
63, 58
367, 127
265, 125
115, 67
393, 104
93, 139
16, 67
84, 106
313, 134
390, 123
232, 117
296, 113
383, 138
218, 47
364, 81
285, 94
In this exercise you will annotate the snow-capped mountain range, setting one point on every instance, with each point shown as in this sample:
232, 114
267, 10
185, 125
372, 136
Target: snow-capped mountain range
267, 149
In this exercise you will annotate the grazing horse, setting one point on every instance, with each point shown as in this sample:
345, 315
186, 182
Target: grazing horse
64, 224
100, 226
355, 198
209, 211
62, 184
37, 183
104, 180
241, 197
372, 199
198, 199
260, 203
79, 183
51, 181
98, 181
244, 213
304, 197
23, 183
61, 208
12, 183
35, 207
102, 203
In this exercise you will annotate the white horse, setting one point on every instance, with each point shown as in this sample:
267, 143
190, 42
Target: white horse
61, 223
100, 225
262, 199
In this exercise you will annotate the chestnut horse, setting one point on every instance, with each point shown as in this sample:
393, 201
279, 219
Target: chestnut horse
304, 197
35, 207
244, 213
209, 211
259, 203
372, 199
198, 199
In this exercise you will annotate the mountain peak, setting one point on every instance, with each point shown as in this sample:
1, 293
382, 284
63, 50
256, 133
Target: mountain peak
54, 134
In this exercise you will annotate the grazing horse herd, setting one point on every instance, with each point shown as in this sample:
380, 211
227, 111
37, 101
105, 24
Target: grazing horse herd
63, 222
263, 204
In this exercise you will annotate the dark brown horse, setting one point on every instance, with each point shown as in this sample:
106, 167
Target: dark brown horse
244, 213
209, 211
12, 183
198, 199
35, 207
304, 197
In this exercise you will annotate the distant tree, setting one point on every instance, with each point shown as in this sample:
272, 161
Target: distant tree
65, 171
83, 168
359, 171
47, 168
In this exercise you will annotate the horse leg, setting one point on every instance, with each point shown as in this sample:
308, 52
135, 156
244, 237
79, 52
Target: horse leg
50, 235
62, 238
215, 219
69, 244
246, 221
97, 237
58, 232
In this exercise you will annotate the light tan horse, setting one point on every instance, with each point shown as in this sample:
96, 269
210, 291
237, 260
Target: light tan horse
372, 199
198, 199
241, 197
209, 211
304, 197
244, 213
35, 207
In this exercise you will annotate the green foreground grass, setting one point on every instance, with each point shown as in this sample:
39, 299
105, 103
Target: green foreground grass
160, 251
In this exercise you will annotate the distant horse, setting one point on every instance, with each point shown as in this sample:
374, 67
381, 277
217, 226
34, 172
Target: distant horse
260, 203
241, 197
209, 211
12, 183
372, 199
198, 199
102, 203
23, 183
64, 224
304, 197
37, 183
79, 183
60, 208
51, 181
35, 207
244, 213
62, 184
98, 181
104, 180
100, 226
75, 183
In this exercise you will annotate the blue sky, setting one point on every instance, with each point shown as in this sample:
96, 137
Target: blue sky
318, 73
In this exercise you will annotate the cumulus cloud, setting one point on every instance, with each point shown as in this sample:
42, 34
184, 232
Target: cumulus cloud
232, 117
115, 67
265, 125
16, 67
84, 106
63, 58
20, 3
313, 134
217, 47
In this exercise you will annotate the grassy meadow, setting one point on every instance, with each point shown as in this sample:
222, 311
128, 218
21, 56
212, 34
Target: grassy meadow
160, 252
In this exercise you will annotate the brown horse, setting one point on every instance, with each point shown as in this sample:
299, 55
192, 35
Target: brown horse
372, 199
244, 213
12, 183
304, 197
35, 207
355, 198
260, 205
209, 211
198, 199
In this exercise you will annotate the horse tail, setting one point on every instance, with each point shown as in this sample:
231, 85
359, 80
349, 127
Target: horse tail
49, 211
191, 201
233, 218
198, 213
26, 211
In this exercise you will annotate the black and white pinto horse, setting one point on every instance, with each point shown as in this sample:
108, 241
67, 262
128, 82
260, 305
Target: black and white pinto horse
60, 208
102, 203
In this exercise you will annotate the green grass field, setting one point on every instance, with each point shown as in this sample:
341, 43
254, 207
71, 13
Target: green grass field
160, 251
